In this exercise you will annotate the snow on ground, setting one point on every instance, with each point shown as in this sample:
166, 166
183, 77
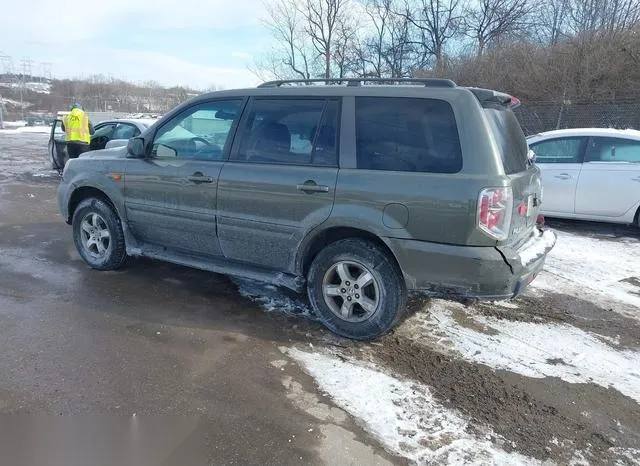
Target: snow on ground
600, 269
531, 349
403, 415
271, 298
24, 129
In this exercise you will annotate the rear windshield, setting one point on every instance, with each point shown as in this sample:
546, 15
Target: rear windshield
510, 138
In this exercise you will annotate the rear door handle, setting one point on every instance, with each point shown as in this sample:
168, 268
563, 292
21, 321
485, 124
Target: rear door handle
563, 176
200, 178
637, 178
310, 186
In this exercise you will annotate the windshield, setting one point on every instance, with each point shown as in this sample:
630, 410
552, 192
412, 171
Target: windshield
510, 139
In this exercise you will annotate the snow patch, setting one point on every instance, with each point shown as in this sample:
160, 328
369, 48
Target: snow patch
536, 246
536, 349
602, 270
403, 415
272, 299
27, 129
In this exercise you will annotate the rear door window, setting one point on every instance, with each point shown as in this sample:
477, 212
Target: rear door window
510, 138
613, 150
290, 131
405, 134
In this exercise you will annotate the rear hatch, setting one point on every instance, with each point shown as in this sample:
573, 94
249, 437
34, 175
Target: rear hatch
524, 176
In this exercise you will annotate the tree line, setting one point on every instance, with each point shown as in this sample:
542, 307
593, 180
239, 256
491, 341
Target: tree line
542, 50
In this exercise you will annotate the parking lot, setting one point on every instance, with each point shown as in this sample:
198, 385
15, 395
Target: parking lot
551, 377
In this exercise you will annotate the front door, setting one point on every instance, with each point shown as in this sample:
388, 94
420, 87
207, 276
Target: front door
560, 164
170, 197
280, 181
58, 145
609, 184
102, 134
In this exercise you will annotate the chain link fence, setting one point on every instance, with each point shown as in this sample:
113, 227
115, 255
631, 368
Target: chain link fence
546, 116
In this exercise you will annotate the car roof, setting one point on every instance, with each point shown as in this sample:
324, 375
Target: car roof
134, 121
607, 132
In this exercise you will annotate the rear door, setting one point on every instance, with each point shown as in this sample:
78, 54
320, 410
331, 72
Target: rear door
170, 197
280, 181
560, 161
609, 183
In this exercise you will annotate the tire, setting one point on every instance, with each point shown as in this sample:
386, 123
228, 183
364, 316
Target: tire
338, 274
102, 251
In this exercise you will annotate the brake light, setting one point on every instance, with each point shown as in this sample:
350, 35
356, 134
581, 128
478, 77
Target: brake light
495, 207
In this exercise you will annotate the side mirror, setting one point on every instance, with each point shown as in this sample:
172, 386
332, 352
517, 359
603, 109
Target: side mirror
531, 156
135, 148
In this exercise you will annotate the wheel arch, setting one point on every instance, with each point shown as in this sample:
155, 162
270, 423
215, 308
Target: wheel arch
84, 192
316, 241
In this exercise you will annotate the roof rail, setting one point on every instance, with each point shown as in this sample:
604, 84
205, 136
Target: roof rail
427, 82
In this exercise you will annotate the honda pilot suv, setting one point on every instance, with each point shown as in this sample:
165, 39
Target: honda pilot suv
358, 191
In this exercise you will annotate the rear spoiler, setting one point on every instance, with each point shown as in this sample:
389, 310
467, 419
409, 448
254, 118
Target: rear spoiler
488, 97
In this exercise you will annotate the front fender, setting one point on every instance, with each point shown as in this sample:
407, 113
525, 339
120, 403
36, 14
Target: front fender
79, 183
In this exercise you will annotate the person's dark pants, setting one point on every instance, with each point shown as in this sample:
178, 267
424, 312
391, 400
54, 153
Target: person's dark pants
74, 149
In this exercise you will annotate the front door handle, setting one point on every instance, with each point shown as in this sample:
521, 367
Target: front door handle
200, 178
637, 178
563, 176
310, 187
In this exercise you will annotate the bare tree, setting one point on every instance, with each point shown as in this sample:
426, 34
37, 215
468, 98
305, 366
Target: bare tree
293, 55
552, 21
598, 17
436, 23
488, 21
323, 20
386, 50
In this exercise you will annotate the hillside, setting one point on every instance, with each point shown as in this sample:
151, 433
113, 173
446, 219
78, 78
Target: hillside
40, 97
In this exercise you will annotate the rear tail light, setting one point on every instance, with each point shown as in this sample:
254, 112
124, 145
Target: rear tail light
495, 207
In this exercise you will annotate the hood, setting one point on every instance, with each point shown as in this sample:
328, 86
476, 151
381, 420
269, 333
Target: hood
112, 153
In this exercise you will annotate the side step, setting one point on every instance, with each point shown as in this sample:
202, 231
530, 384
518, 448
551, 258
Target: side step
221, 266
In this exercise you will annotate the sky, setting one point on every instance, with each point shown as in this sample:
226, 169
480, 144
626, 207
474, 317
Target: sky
196, 43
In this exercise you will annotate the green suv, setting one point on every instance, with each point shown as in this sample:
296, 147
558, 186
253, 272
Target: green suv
358, 191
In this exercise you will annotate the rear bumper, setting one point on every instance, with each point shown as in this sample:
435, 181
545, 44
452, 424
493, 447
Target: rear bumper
471, 272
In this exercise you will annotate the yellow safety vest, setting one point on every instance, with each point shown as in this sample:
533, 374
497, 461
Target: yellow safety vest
76, 126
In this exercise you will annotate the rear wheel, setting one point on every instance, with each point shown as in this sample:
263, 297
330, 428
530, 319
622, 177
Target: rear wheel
356, 289
98, 235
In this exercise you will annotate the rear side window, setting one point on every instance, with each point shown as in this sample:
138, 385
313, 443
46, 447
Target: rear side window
510, 138
404, 134
613, 150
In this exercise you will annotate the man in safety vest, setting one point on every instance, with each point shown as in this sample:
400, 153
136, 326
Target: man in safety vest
78, 129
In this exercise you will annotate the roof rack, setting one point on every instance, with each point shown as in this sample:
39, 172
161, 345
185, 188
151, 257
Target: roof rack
356, 82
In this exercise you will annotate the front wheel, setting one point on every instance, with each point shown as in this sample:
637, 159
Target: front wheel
98, 235
356, 289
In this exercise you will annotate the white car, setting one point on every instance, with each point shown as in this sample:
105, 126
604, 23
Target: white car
590, 174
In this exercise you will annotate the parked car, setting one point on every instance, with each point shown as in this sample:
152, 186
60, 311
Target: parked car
355, 193
109, 133
590, 174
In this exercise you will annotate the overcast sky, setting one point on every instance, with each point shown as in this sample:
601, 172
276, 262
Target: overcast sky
197, 43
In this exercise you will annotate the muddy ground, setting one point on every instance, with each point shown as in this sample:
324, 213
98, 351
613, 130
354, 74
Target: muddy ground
545, 418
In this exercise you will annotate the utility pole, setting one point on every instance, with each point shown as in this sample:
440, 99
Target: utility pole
1, 113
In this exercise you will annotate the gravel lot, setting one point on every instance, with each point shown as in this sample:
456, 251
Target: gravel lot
552, 377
